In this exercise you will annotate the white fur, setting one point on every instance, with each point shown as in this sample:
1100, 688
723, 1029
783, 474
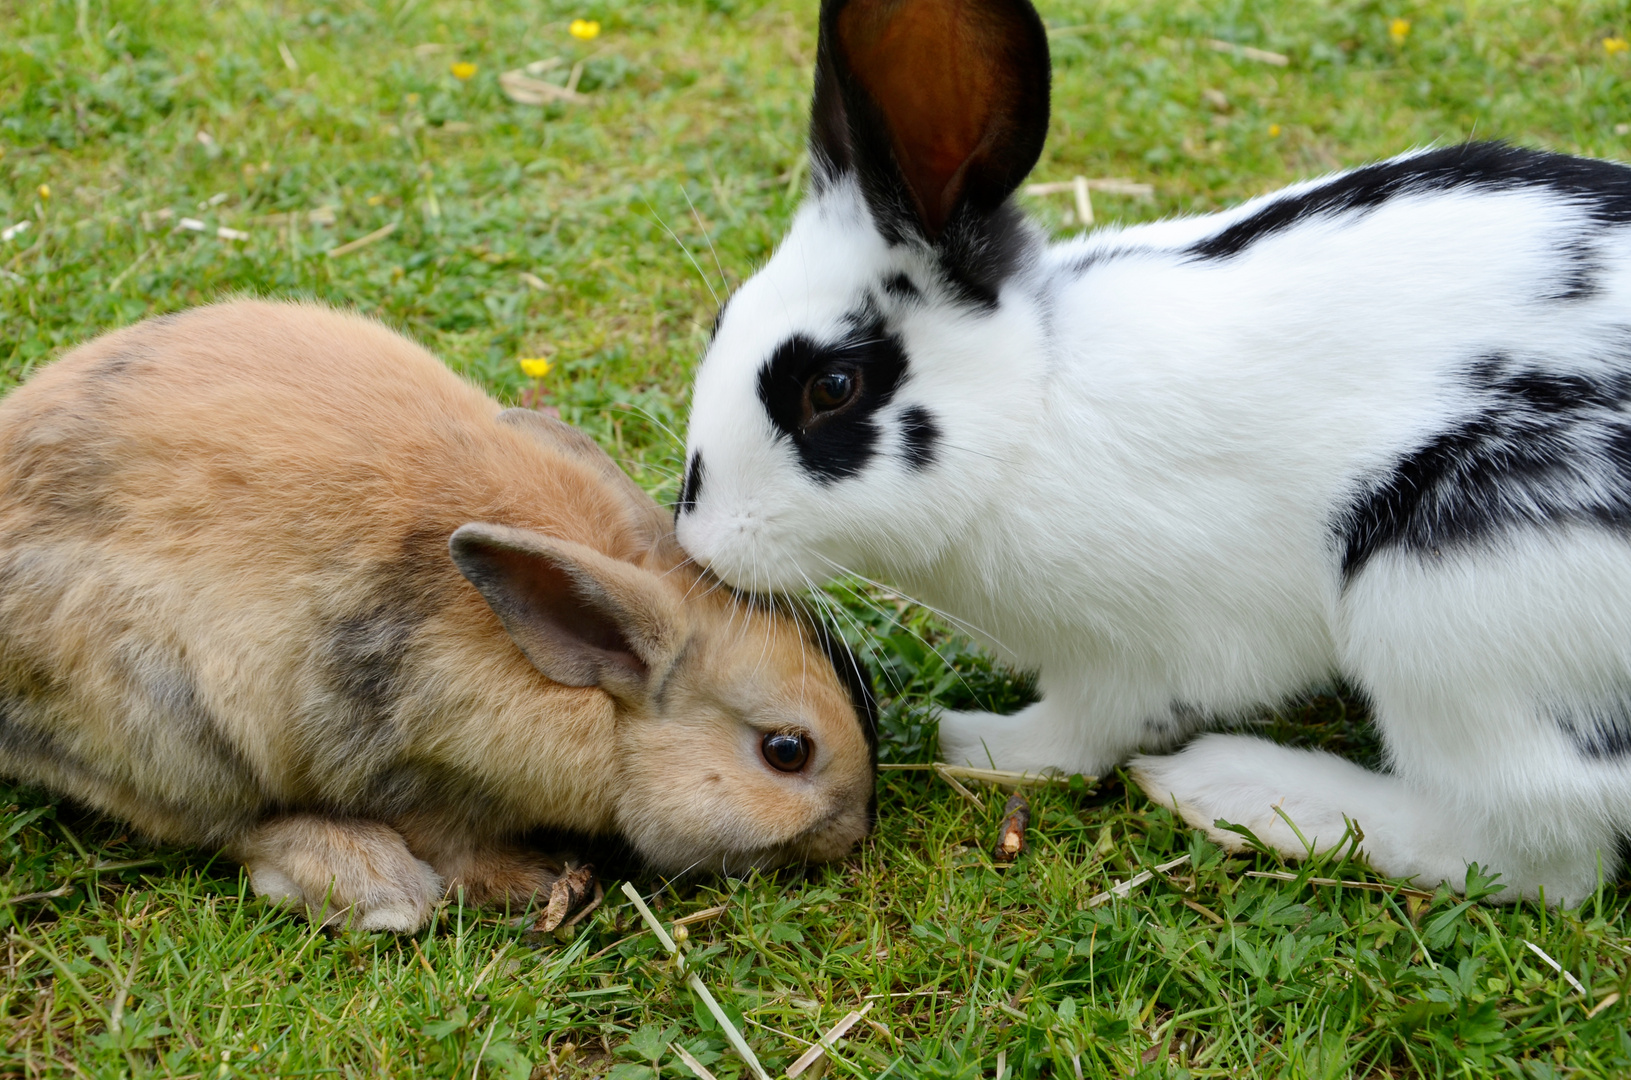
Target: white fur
1135, 492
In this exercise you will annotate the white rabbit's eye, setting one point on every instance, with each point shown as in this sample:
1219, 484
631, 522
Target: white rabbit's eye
785, 752
832, 389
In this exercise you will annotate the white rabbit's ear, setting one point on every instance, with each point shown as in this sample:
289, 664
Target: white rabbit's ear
940, 107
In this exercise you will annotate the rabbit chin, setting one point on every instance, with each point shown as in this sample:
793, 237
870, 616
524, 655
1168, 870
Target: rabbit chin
830, 839
739, 551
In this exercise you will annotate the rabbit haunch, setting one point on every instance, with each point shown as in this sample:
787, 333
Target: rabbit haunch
229, 615
1372, 427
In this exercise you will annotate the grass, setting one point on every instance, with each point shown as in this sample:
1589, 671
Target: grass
600, 237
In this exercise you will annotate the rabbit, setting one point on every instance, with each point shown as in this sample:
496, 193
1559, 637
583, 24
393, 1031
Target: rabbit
1373, 429
273, 580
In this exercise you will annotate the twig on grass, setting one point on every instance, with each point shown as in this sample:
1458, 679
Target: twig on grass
362, 241
1557, 967
1123, 889
968, 796
1246, 52
991, 776
733, 1036
823, 1044
690, 1062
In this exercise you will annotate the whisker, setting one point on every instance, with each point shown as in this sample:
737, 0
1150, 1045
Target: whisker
705, 282
724, 282
961, 624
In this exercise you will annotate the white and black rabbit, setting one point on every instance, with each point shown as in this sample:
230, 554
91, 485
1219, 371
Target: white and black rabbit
273, 579
1373, 426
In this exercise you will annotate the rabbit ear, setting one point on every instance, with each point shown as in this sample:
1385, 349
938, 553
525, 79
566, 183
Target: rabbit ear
940, 106
583, 619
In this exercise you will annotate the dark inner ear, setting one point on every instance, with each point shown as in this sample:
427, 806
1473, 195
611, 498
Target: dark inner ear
569, 628
959, 87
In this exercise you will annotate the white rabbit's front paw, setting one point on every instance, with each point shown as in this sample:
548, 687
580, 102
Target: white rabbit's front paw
966, 738
1036, 739
1295, 801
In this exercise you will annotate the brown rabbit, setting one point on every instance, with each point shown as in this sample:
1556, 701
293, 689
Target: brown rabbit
229, 615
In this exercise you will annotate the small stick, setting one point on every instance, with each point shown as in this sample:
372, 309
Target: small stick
991, 776
691, 1063
1204, 910
702, 916
1084, 204
1011, 836
588, 910
1557, 967
968, 795
362, 241
1603, 1004
1113, 185
1123, 890
824, 1044
1246, 52
733, 1036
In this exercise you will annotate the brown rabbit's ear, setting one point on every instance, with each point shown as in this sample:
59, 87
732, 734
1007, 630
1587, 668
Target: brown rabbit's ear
940, 106
583, 619
646, 515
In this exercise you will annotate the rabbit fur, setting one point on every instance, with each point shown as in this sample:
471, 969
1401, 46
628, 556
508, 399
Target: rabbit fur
273, 579
1373, 427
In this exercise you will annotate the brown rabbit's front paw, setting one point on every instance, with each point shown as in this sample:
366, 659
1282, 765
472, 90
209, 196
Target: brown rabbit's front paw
501, 877
341, 872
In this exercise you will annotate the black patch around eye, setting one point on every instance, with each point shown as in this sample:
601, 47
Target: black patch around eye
691, 489
840, 445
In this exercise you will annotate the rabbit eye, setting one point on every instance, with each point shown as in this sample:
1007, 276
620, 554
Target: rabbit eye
784, 752
832, 390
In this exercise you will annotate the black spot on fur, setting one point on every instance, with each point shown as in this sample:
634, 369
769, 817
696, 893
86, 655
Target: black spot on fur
1601, 189
837, 445
719, 317
901, 287
365, 660
691, 489
1539, 448
178, 720
1580, 268
921, 436
1600, 731
857, 679
24, 742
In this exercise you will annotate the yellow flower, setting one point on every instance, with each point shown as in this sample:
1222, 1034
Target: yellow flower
412, 99
1274, 131
1615, 45
45, 191
535, 367
1398, 30
584, 29
463, 70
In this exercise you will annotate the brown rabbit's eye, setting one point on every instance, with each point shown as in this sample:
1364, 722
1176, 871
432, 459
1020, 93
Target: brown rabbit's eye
784, 752
832, 390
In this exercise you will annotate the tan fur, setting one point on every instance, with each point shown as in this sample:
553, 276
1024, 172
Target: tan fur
228, 615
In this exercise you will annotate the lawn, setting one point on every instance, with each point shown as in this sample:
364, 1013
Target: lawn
363, 152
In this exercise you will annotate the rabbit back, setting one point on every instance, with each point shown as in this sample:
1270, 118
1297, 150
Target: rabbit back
224, 580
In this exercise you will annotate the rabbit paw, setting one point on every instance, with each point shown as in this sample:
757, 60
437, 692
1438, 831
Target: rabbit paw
1294, 801
341, 873
1036, 739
